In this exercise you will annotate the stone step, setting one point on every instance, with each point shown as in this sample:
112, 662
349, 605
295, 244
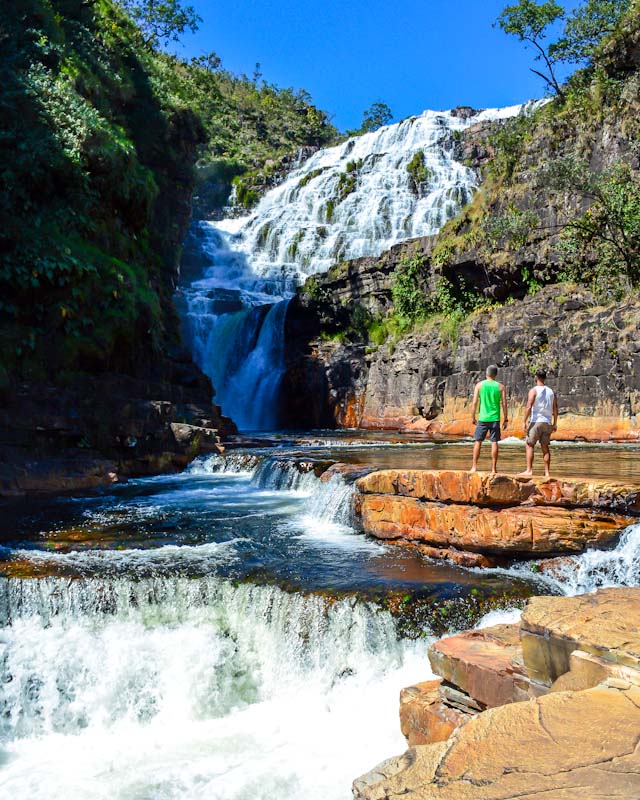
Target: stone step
425, 717
605, 624
486, 490
529, 530
485, 664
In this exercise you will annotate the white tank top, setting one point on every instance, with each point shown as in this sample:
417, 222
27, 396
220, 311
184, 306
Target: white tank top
542, 410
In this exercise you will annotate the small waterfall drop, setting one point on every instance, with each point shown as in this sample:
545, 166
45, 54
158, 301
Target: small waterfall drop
184, 688
356, 199
596, 569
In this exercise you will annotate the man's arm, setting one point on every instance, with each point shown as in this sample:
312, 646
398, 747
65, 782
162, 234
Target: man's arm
531, 399
555, 412
474, 406
503, 400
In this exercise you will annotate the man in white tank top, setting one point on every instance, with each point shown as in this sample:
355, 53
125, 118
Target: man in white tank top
540, 421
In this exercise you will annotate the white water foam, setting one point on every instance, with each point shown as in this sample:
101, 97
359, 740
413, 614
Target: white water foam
194, 689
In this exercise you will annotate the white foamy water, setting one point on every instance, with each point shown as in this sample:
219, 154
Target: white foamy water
194, 689
596, 569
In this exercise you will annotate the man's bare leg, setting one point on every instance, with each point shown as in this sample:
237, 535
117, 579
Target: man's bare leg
494, 457
476, 453
529, 470
546, 455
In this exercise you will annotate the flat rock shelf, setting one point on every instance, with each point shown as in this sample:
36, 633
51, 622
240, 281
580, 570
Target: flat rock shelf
475, 518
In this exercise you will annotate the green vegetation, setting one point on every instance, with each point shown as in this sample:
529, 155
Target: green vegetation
581, 210
601, 247
584, 29
530, 21
161, 20
348, 180
100, 133
374, 117
419, 172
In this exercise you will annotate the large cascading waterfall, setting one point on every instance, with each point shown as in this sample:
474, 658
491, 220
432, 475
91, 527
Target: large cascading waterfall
356, 199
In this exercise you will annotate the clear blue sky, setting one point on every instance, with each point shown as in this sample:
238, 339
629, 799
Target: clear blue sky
410, 54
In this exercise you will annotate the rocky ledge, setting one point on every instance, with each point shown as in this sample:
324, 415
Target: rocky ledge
104, 428
475, 518
546, 708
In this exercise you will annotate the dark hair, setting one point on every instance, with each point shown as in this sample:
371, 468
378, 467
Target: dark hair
541, 375
492, 370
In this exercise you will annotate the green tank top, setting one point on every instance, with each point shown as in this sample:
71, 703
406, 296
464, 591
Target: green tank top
489, 401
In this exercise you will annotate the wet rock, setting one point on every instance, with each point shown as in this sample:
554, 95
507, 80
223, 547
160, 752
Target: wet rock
517, 530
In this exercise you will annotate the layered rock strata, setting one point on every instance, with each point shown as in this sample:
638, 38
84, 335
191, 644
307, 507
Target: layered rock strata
455, 513
489, 728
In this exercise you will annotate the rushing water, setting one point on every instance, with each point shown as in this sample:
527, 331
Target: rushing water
219, 633
356, 199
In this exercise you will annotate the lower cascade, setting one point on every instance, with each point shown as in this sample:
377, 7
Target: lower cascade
191, 688
220, 658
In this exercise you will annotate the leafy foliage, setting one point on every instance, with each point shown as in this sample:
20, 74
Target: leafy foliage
585, 28
374, 117
530, 21
83, 248
601, 247
161, 20
419, 172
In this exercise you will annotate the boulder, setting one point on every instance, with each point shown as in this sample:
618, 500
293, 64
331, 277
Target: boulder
484, 489
486, 664
605, 624
562, 746
203, 440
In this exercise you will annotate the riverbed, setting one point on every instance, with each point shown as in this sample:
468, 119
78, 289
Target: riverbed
227, 632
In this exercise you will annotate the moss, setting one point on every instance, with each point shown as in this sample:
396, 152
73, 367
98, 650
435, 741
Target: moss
419, 173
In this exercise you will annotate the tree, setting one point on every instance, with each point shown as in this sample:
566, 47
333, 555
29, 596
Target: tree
377, 115
602, 244
161, 20
585, 27
530, 21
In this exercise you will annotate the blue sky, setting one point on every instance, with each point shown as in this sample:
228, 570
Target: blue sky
409, 54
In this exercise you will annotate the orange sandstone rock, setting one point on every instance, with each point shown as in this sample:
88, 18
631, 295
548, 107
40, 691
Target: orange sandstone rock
424, 718
486, 664
510, 530
483, 489
562, 746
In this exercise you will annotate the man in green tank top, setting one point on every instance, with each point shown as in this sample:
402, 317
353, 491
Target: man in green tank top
491, 397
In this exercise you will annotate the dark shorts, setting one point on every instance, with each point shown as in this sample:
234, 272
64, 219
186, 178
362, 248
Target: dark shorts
484, 428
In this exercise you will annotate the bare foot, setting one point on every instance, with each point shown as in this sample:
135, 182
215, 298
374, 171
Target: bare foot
473, 469
547, 474
525, 474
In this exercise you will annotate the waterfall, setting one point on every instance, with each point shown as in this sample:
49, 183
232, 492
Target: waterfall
595, 569
358, 198
176, 687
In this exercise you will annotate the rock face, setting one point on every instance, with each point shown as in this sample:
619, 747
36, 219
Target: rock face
107, 428
606, 625
425, 381
494, 514
488, 728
